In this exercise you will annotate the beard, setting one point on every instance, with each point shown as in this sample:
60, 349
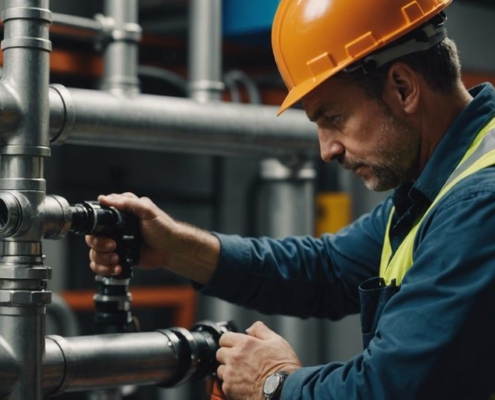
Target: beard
396, 157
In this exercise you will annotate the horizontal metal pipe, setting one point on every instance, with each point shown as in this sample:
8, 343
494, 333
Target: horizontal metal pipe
167, 357
93, 362
72, 21
159, 123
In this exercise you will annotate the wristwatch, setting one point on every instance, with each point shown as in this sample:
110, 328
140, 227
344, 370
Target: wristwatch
273, 385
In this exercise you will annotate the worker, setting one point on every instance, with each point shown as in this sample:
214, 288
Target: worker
381, 81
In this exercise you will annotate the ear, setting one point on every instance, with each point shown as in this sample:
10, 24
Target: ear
403, 88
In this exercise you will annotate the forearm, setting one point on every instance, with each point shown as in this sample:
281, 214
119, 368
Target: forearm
194, 253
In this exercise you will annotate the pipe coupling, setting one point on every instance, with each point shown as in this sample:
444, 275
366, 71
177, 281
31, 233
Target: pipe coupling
56, 216
14, 208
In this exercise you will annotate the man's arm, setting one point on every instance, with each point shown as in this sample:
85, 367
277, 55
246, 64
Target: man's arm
179, 247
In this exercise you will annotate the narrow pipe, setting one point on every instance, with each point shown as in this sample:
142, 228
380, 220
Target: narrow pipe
121, 51
72, 21
159, 123
205, 50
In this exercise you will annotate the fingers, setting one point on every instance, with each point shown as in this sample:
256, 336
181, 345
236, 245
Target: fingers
105, 270
230, 339
100, 243
142, 207
103, 259
261, 331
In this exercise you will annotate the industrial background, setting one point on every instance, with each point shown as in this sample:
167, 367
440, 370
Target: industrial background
205, 51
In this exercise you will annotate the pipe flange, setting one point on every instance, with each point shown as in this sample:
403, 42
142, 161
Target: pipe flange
40, 14
57, 217
184, 345
10, 214
36, 151
128, 32
69, 114
33, 273
24, 297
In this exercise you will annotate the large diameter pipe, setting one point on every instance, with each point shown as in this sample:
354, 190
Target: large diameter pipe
147, 122
95, 362
167, 358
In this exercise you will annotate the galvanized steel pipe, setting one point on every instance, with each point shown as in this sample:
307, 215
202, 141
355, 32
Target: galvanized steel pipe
23, 277
158, 123
167, 357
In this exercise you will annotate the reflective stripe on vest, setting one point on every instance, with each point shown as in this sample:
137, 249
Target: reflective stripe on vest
480, 154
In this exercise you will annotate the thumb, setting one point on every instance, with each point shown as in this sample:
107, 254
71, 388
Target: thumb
261, 331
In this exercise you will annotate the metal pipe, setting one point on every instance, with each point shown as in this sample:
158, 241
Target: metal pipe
73, 21
159, 123
63, 316
23, 277
287, 207
121, 51
205, 50
167, 358
104, 361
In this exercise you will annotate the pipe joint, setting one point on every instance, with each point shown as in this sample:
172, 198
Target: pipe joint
113, 32
33, 13
41, 15
14, 209
56, 216
62, 121
24, 297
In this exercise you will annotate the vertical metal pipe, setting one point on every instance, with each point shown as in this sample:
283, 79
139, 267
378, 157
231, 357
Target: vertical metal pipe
122, 50
287, 207
205, 50
23, 277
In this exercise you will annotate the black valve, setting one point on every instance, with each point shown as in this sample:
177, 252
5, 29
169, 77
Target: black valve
112, 298
91, 218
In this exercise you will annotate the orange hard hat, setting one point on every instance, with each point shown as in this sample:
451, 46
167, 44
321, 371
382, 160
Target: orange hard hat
313, 40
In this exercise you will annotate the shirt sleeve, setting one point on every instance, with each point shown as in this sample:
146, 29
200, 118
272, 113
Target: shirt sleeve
301, 276
435, 339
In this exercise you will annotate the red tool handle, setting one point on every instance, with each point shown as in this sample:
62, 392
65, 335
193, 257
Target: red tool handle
214, 388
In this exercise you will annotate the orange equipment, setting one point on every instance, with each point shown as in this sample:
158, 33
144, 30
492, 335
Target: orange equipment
313, 40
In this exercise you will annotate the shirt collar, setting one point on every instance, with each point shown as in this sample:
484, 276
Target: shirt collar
452, 147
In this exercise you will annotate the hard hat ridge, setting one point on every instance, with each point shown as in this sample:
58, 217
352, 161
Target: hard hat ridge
421, 39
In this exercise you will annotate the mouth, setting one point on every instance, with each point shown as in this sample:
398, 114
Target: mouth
355, 167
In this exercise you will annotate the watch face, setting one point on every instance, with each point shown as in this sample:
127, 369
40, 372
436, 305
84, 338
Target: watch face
271, 384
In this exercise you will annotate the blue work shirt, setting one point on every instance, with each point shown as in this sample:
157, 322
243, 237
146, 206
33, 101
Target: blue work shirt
436, 336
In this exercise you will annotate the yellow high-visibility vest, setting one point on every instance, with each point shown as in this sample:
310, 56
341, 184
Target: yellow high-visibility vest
480, 154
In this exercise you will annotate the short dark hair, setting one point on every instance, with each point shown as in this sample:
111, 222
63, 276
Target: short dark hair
439, 65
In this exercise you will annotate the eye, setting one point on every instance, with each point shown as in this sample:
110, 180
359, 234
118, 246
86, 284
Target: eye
332, 119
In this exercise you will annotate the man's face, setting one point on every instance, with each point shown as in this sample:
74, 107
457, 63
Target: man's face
363, 135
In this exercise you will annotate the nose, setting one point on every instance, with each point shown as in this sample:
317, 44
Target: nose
330, 148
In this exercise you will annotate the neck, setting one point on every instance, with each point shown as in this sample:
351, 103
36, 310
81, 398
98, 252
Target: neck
433, 124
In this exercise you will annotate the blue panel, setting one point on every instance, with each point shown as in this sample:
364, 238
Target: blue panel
248, 19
